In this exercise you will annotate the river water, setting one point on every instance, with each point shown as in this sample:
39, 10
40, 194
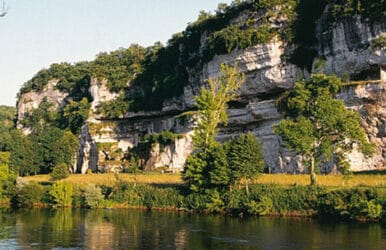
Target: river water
137, 229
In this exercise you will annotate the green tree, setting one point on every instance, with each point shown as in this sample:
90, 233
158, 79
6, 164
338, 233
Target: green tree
207, 167
7, 179
75, 114
59, 172
22, 159
62, 193
245, 158
54, 146
212, 105
317, 126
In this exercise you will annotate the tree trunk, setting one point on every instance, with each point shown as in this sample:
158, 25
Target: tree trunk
246, 187
312, 171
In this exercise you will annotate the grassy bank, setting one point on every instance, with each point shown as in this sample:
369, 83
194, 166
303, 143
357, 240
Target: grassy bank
110, 179
359, 197
358, 180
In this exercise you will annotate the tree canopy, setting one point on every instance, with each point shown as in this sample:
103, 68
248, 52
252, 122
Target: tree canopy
318, 126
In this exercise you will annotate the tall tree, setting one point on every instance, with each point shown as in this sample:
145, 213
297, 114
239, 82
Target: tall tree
207, 167
212, 105
319, 127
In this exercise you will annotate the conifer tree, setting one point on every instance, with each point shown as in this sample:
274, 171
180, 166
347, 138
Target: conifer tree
245, 158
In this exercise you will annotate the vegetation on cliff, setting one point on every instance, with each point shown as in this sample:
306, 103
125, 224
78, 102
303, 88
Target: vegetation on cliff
154, 74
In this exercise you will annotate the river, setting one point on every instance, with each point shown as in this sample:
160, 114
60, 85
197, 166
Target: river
137, 229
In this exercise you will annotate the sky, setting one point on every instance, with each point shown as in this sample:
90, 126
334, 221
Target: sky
36, 33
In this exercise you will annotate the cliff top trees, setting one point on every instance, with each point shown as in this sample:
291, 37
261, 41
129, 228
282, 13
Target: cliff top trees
319, 127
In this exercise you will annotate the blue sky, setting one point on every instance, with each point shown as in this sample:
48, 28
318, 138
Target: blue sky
36, 33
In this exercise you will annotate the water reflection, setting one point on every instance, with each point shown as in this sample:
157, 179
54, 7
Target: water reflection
134, 229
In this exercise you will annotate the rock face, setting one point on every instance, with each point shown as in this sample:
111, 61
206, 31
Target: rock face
346, 46
31, 100
346, 50
370, 101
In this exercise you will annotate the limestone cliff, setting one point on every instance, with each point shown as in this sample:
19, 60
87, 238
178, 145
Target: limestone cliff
343, 48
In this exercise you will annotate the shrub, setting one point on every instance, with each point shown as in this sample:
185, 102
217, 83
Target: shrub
195, 201
159, 197
62, 193
124, 192
78, 199
29, 195
59, 172
7, 180
261, 207
379, 43
93, 196
350, 204
215, 203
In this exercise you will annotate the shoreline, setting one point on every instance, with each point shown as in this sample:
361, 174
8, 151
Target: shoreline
363, 204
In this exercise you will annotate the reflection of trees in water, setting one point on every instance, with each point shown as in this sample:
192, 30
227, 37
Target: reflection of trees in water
62, 225
47, 228
6, 223
136, 229
123, 229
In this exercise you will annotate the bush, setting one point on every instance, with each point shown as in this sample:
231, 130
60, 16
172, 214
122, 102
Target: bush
59, 172
62, 193
29, 195
379, 43
126, 193
262, 207
7, 180
195, 201
93, 196
159, 197
350, 204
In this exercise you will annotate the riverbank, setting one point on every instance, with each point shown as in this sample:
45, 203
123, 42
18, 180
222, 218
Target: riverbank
376, 179
357, 203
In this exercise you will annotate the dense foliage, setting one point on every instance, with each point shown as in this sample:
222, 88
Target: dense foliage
332, 204
7, 176
38, 152
318, 126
